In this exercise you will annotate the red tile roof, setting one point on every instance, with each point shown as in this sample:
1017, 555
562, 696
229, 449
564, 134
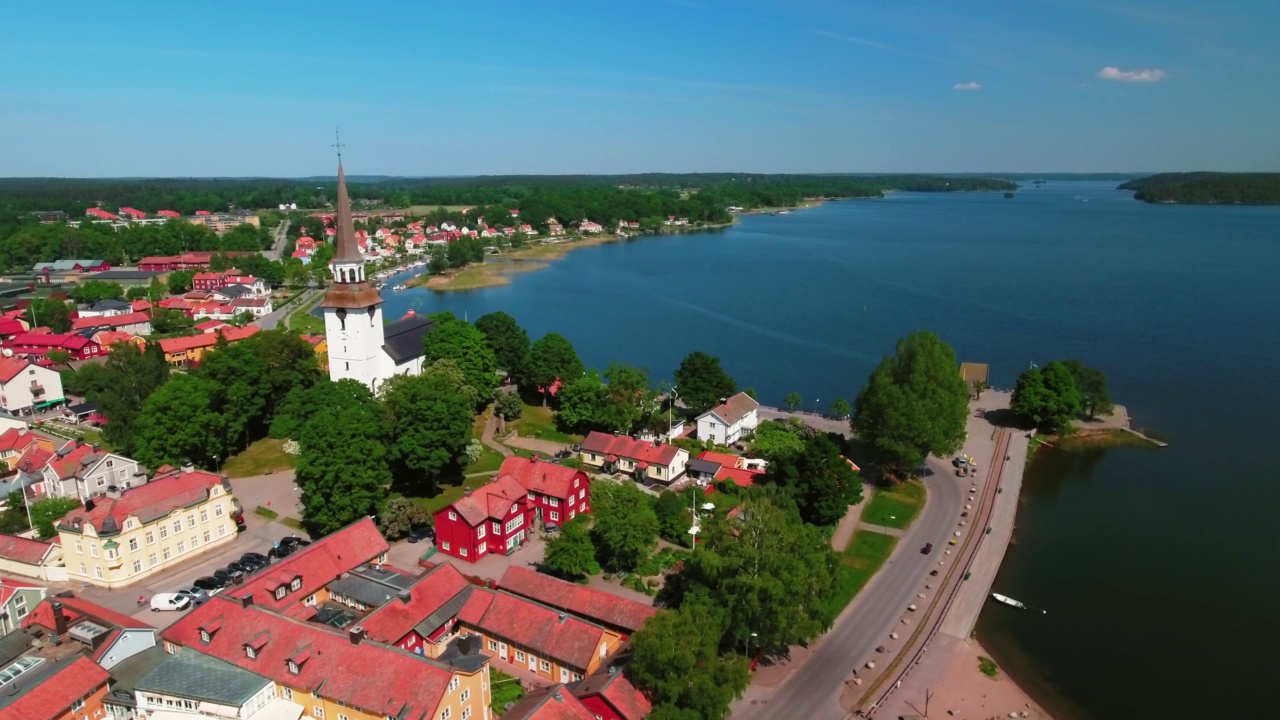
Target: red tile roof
22, 550
595, 605
76, 679
542, 477
552, 703
140, 304
492, 500
725, 459
623, 446
191, 342
73, 343
394, 620
16, 439
11, 326
738, 476
618, 692
570, 641
66, 465
10, 367
107, 338
110, 320
156, 499
74, 609
318, 564
369, 677
475, 608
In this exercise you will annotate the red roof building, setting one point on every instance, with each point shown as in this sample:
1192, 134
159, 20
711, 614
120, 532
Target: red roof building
132, 213
619, 453
72, 688
557, 493
618, 613
610, 696
137, 323
550, 703
37, 343
168, 214
206, 281
24, 551
495, 517
100, 214
424, 620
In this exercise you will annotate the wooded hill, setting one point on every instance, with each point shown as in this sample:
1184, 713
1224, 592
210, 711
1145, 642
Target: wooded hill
1207, 188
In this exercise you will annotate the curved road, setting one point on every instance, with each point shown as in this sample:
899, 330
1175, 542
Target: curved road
813, 690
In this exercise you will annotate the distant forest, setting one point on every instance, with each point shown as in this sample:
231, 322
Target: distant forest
647, 199
1208, 188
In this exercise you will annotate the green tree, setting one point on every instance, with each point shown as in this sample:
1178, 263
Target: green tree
439, 262
58, 356
47, 512
14, 518
136, 292
509, 342
625, 530
770, 571
430, 426
343, 469
676, 661
239, 389
818, 478
121, 385
1031, 400
778, 438
552, 358
449, 371
915, 403
455, 340
627, 398
91, 291
793, 401
507, 405
840, 408
1095, 397
179, 423
179, 281
51, 313
701, 382
674, 517
401, 517
580, 402
1046, 397
570, 554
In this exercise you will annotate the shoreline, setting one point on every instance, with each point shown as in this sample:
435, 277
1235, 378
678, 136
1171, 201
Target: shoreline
498, 271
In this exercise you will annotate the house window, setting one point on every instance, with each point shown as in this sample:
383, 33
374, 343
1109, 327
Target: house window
480, 531
463, 551
553, 502
248, 650
288, 693
191, 521
177, 526
195, 542
497, 528
481, 549
310, 601
204, 515
293, 669
206, 536
128, 524
110, 463
164, 532
78, 705
151, 560
519, 656
453, 683
466, 713
217, 512
182, 547
83, 570
93, 550
318, 713
453, 515
222, 530
342, 717
575, 482
515, 524
572, 499
151, 538
573, 514
532, 496
97, 571
582, 493
444, 546
204, 636
296, 585
280, 591
555, 515
137, 566
493, 645
544, 665
79, 548
165, 554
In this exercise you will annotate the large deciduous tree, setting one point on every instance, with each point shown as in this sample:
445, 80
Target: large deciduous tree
551, 358
1046, 397
580, 402
676, 661
343, 468
430, 428
701, 382
775, 439
509, 342
455, 340
915, 403
818, 478
625, 528
674, 517
571, 554
1095, 396
400, 518
121, 385
178, 423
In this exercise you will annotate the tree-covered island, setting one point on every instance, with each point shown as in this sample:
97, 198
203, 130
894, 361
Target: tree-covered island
1207, 188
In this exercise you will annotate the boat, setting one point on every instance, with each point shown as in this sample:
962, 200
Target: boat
1008, 601
785, 212
398, 287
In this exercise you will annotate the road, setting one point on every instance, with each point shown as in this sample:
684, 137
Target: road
282, 234
813, 690
274, 318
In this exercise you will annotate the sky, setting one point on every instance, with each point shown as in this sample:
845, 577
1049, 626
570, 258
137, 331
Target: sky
428, 87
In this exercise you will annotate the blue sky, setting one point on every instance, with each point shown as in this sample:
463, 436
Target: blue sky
595, 86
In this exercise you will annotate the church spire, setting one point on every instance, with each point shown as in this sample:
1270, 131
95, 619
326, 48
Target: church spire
347, 250
350, 289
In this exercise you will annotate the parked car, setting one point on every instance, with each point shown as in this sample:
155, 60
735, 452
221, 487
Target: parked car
282, 551
234, 571
928, 548
256, 561
209, 584
197, 596
242, 567
169, 601
552, 528
223, 577
422, 533
294, 541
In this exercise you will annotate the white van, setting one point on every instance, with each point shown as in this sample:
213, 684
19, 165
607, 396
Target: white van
169, 601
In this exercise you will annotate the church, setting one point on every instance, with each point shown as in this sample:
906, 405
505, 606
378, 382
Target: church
361, 347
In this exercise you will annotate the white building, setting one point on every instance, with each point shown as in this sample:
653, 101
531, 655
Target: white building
727, 422
81, 471
25, 386
360, 347
189, 684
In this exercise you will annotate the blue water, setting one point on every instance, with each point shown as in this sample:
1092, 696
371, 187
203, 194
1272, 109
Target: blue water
1157, 566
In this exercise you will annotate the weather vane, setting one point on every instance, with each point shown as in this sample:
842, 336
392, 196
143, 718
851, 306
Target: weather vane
337, 143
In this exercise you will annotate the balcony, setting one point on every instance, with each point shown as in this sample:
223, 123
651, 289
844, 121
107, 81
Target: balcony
37, 389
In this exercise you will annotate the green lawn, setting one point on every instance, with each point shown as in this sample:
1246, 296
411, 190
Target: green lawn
266, 454
490, 460
449, 493
866, 552
539, 422
503, 689
895, 506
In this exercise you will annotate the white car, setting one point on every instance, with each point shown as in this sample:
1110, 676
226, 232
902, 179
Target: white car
169, 601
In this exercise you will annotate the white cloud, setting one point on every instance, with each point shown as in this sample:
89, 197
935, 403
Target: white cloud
1135, 76
971, 85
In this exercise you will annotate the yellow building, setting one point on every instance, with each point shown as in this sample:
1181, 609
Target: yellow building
221, 222
119, 538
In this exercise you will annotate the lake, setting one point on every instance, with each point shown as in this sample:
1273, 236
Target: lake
1156, 567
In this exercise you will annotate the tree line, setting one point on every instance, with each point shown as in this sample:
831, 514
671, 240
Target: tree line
1207, 188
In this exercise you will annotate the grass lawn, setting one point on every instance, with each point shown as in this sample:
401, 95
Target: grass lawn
539, 422
449, 493
266, 454
490, 460
866, 552
503, 689
895, 506
94, 437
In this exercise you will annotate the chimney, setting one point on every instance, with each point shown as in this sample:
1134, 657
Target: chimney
405, 596
563, 616
533, 458
464, 645
59, 621
246, 600
356, 634
88, 505
467, 491
113, 491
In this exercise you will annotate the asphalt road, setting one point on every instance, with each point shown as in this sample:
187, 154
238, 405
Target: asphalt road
813, 690
282, 234
274, 318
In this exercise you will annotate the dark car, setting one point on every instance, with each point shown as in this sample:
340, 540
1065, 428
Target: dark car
223, 577
254, 557
282, 551
928, 548
209, 583
422, 533
241, 567
293, 541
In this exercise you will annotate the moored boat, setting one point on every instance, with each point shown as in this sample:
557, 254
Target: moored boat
1008, 601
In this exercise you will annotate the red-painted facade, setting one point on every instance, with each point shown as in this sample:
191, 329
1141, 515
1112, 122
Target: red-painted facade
492, 518
600, 708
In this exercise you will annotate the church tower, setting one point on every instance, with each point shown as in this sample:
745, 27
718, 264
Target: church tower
352, 312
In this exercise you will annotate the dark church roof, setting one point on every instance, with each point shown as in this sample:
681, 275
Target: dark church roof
404, 337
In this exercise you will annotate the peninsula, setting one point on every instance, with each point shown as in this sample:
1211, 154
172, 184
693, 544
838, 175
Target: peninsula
1207, 188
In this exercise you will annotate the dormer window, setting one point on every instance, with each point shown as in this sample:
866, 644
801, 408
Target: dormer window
296, 585
280, 592
299, 658
293, 668
248, 650
254, 646
205, 637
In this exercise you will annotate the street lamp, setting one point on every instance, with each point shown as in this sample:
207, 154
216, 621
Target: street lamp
217, 463
749, 647
884, 523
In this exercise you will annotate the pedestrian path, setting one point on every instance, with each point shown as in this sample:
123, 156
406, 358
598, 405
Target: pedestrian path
490, 427
849, 523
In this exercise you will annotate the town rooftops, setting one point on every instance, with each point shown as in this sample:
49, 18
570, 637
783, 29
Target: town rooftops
542, 477
133, 318
602, 607
550, 703
124, 275
371, 586
625, 447
75, 610
150, 502
69, 342
68, 265
70, 458
207, 339
49, 689
109, 304
192, 675
627, 701
22, 550
343, 667
435, 599
491, 500
544, 630
734, 409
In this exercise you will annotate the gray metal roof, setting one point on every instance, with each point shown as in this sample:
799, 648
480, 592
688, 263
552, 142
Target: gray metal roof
126, 674
368, 588
189, 674
124, 275
104, 305
13, 645
403, 338
450, 609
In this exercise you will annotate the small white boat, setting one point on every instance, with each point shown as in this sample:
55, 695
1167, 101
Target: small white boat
1008, 601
